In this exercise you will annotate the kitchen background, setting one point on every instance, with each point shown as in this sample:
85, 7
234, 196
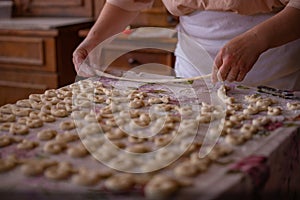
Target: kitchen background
38, 37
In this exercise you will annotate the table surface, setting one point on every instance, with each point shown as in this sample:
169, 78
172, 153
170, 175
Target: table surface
209, 185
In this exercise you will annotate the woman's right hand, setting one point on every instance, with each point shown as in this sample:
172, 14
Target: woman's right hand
79, 55
101, 30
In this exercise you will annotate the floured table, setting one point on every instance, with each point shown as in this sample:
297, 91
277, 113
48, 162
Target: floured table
106, 138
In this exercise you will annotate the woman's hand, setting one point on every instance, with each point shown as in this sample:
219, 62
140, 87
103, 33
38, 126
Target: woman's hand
102, 29
237, 58
79, 55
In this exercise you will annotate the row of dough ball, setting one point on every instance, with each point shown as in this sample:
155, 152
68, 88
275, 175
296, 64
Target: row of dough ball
236, 131
34, 119
87, 93
54, 170
84, 89
264, 103
53, 147
156, 186
22, 126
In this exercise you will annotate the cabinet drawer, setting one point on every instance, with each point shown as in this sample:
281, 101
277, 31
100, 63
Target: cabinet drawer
159, 62
27, 53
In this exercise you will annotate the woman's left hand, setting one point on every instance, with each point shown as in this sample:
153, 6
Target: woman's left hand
237, 58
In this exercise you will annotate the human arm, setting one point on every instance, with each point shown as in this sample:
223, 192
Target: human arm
238, 56
103, 29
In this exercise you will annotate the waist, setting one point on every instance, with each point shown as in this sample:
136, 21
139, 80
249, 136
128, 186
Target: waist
217, 25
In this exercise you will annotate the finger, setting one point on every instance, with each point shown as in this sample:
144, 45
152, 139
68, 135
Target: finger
233, 74
223, 72
75, 64
81, 69
241, 76
225, 68
79, 56
77, 60
85, 70
214, 74
219, 77
218, 61
217, 64
243, 72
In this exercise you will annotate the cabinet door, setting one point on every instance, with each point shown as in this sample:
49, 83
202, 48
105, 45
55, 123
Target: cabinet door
74, 8
147, 60
27, 53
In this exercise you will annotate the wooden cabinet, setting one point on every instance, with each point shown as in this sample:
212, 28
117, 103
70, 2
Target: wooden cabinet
57, 8
28, 51
36, 54
136, 58
127, 53
37, 43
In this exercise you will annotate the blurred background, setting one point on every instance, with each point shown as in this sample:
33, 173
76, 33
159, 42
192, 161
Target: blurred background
38, 37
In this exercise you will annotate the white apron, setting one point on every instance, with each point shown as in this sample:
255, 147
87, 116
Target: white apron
278, 67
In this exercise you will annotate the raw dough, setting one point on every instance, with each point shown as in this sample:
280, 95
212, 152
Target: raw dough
59, 172
46, 134
161, 187
120, 182
27, 145
54, 147
18, 129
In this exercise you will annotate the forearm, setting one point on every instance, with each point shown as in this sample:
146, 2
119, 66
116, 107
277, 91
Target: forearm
278, 30
112, 20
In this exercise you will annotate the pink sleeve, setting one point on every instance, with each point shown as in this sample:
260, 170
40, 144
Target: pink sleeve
132, 5
294, 3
